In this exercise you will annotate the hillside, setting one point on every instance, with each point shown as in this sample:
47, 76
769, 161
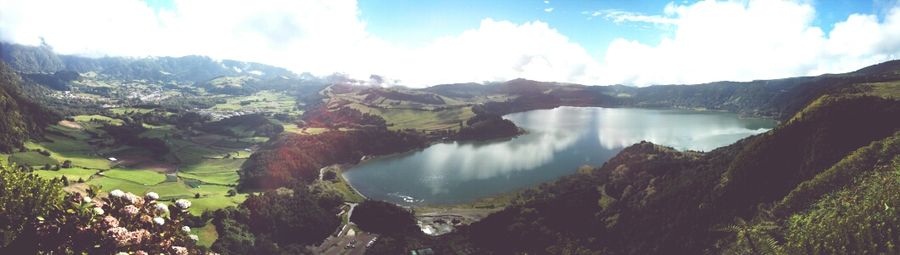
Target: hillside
22, 118
651, 199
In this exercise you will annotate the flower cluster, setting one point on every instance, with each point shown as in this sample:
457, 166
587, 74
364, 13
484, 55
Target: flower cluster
122, 223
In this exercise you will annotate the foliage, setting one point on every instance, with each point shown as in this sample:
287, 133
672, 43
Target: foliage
121, 222
860, 219
839, 175
383, 218
245, 126
753, 237
487, 126
22, 118
38, 217
299, 157
24, 198
276, 222
343, 117
129, 134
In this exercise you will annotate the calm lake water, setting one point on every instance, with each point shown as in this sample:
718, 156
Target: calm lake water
557, 143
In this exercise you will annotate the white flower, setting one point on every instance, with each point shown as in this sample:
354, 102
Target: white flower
194, 237
86, 199
180, 250
151, 196
133, 199
122, 253
161, 208
98, 211
116, 193
183, 204
159, 221
186, 229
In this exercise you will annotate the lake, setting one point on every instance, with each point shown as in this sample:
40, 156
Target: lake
557, 142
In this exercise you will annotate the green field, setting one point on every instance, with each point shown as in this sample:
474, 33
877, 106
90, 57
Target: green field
143, 177
207, 235
215, 171
129, 110
73, 146
32, 158
212, 203
161, 131
98, 118
263, 100
399, 119
199, 158
72, 174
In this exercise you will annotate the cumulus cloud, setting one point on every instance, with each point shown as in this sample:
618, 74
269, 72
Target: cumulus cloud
502, 50
712, 41
704, 41
321, 37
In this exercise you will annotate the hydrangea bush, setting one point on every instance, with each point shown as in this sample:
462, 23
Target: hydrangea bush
121, 223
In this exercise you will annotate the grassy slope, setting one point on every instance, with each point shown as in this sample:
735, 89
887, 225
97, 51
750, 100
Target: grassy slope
143, 177
32, 158
72, 174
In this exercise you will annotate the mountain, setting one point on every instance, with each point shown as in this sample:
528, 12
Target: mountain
777, 99
42, 59
22, 117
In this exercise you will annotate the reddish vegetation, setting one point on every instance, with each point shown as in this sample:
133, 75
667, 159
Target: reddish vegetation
294, 158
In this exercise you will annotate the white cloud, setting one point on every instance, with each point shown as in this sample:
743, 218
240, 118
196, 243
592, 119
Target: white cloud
705, 41
620, 16
712, 41
321, 37
501, 50
548, 9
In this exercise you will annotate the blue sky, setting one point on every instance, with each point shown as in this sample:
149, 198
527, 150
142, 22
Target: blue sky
421, 43
416, 23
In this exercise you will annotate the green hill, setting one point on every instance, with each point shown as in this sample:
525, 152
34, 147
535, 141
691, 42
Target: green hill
22, 118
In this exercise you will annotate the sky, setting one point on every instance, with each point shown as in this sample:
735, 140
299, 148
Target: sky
422, 43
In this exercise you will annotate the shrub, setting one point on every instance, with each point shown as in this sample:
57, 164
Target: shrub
121, 222
24, 197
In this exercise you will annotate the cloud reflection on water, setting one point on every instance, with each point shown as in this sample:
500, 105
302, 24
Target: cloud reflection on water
558, 141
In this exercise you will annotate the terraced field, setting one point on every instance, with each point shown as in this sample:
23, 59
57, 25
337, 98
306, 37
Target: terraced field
204, 165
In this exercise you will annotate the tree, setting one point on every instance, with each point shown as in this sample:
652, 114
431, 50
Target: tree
329, 175
383, 218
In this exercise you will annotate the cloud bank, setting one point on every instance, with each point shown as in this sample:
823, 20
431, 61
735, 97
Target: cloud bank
701, 42
713, 41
